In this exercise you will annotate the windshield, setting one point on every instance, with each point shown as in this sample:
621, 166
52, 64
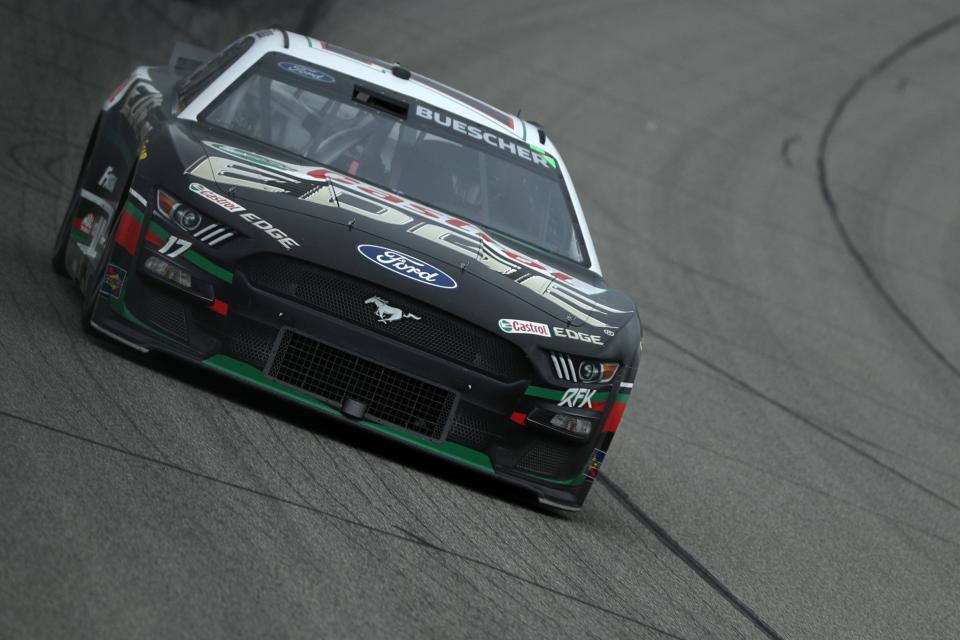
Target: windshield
411, 149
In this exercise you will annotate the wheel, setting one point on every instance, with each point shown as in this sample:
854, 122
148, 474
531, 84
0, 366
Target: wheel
63, 235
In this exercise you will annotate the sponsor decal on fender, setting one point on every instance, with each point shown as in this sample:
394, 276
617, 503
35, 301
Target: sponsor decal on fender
280, 236
508, 325
406, 266
86, 225
214, 197
108, 180
113, 280
137, 108
593, 468
563, 332
226, 203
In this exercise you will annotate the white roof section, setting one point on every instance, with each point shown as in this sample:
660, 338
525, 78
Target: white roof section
378, 72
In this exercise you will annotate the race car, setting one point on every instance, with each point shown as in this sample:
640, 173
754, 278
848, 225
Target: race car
358, 238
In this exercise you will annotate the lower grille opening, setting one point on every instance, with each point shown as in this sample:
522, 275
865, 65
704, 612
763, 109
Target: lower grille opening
472, 426
250, 341
335, 376
165, 312
546, 459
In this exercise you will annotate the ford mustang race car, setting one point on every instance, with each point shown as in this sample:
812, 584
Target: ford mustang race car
366, 241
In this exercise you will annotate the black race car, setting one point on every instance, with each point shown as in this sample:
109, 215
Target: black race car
363, 240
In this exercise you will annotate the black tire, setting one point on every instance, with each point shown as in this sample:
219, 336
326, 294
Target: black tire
63, 235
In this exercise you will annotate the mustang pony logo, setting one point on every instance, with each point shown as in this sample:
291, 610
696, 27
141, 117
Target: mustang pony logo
386, 313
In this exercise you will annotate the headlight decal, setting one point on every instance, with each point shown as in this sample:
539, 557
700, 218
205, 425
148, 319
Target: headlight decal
158, 236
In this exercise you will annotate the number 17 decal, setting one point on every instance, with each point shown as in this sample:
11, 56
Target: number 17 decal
175, 246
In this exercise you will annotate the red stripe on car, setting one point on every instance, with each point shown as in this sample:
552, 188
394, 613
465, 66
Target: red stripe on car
613, 420
153, 238
128, 233
219, 306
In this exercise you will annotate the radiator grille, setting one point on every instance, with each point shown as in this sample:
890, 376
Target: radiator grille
436, 331
392, 398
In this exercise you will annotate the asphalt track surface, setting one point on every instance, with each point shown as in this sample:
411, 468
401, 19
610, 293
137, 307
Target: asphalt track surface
774, 183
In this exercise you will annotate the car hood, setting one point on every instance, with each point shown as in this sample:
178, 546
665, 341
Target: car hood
433, 255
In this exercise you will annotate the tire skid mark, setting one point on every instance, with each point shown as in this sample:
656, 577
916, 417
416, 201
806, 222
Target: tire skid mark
716, 378
830, 433
365, 546
14, 153
225, 410
201, 475
576, 559
803, 485
397, 498
829, 200
315, 482
923, 422
35, 347
686, 557
681, 579
788, 310
454, 526
25, 185
902, 456
483, 592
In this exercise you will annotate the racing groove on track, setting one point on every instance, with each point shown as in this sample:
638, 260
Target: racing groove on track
788, 469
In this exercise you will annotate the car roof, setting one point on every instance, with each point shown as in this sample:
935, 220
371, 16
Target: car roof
417, 86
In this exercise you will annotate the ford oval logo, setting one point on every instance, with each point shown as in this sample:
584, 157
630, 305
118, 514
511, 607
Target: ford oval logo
406, 266
306, 72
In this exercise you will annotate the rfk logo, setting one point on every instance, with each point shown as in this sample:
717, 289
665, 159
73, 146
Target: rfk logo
577, 398
386, 313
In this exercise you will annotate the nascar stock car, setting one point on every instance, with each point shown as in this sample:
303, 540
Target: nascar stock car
363, 240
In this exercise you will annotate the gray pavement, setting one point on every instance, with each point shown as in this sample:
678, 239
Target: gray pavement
775, 184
